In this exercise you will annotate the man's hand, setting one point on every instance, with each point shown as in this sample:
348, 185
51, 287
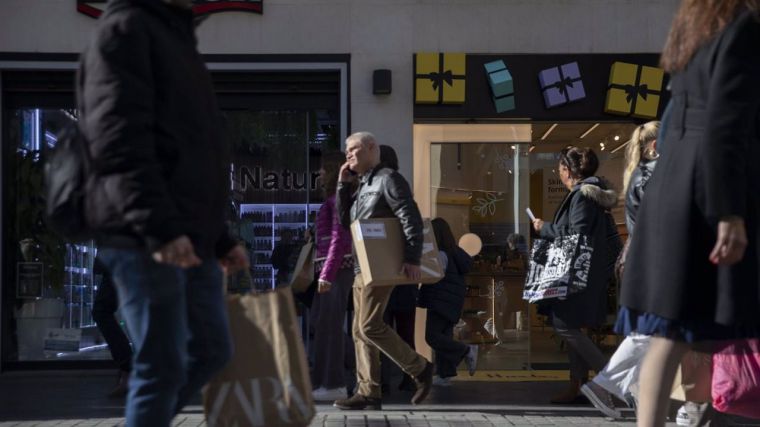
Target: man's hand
323, 286
235, 260
412, 271
731, 242
179, 253
538, 224
345, 174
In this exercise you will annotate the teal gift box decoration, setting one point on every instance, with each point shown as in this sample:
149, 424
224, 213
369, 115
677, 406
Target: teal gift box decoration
502, 86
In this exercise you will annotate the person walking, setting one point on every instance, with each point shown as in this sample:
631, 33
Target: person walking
400, 312
383, 193
620, 376
335, 268
105, 304
158, 198
692, 277
584, 211
444, 302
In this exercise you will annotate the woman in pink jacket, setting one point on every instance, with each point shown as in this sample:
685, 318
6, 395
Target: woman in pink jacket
335, 269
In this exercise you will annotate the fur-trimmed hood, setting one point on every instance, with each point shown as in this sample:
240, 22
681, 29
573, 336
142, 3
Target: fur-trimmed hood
595, 189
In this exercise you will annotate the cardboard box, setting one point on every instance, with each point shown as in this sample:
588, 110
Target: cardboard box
379, 245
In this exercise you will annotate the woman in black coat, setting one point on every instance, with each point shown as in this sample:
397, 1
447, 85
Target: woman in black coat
692, 273
584, 211
444, 302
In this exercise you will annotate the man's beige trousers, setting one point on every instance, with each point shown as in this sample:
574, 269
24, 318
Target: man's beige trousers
372, 335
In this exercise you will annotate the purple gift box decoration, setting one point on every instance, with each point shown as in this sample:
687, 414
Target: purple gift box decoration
561, 85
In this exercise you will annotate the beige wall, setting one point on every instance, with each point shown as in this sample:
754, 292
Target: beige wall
380, 34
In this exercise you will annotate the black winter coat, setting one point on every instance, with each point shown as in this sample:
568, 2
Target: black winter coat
447, 296
638, 182
585, 211
149, 114
708, 171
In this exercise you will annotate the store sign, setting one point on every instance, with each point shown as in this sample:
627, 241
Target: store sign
554, 192
94, 8
255, 178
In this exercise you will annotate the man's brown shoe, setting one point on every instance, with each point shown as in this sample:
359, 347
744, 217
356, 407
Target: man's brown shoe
423, 381
358, 402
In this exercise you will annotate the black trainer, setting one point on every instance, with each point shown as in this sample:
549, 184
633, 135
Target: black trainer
358, 402
423, 381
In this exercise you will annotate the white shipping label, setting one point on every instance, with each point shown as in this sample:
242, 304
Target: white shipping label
373, 230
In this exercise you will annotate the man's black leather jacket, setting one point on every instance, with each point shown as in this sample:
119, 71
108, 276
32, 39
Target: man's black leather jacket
384, 193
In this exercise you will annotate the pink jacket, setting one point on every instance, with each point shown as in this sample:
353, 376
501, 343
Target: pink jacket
333, 242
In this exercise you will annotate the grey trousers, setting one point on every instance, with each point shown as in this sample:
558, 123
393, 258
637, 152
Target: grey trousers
330, 334
582, 352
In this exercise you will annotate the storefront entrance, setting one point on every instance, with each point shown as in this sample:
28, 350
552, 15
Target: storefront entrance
278, 123
481, 179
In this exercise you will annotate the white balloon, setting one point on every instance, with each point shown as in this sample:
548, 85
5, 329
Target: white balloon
471, 243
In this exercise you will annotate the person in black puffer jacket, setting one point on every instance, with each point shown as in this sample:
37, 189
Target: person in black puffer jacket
444, 302
159, 198
584, 211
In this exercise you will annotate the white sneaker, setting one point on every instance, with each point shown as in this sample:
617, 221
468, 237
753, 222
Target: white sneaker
471, 359
682, 417
441, 382
324, 395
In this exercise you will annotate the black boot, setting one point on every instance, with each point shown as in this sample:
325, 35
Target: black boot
423, 381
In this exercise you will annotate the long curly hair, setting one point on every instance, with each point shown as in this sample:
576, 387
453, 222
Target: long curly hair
695, 23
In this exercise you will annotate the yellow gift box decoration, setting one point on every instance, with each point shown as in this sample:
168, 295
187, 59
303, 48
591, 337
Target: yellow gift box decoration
439, 78
634, 90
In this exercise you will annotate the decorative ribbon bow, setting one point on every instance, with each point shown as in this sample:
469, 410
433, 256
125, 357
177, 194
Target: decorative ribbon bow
438, 78
563, 84
633, 91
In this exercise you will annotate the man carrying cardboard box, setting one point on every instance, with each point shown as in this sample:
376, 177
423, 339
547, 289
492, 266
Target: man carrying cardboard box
382, 193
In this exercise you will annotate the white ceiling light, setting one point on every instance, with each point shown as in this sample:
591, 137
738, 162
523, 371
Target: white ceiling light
548, 131
617, 138
591, 129
619, 147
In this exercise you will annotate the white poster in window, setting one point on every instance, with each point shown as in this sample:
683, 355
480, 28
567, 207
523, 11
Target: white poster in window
554, 192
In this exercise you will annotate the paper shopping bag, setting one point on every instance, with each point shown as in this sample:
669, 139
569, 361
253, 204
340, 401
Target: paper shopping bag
692, 382
267, 381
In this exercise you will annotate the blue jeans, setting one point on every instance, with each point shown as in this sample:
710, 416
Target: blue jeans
178, 324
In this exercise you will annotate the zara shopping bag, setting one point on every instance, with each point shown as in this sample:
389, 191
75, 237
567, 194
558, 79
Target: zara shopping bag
558, 267
267, 381
736, 378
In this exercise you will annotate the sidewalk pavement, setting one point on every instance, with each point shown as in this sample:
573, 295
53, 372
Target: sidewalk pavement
66, 398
